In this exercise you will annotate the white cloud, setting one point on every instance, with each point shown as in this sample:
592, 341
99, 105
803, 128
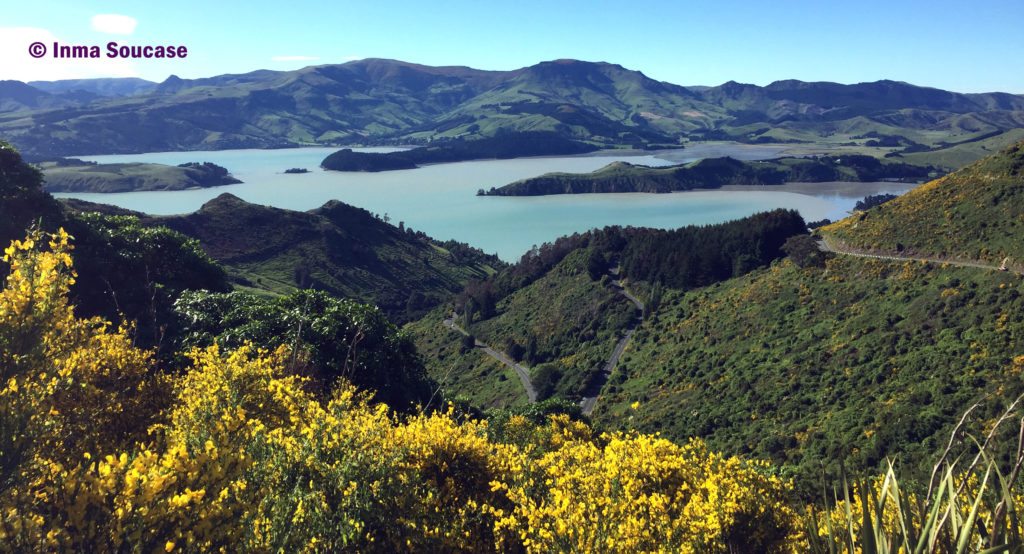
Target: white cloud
293, 58
113, 23
19, 65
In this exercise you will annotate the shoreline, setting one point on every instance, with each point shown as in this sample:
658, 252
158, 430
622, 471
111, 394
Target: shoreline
828, 189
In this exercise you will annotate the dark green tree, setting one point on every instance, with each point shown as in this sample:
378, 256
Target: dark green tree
804, 251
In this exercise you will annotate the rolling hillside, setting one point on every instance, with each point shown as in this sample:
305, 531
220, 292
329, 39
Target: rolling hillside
976, 213
338, 248
376, 101
571, 320
129, 177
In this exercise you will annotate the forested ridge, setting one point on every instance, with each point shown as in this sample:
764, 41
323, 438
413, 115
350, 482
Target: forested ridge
712, 173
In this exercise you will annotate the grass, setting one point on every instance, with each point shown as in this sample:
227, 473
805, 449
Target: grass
970, 502
966, 153
973, 214
126, 177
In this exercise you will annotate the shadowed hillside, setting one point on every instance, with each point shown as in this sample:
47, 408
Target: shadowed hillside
338, 248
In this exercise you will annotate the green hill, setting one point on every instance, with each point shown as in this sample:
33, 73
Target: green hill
392, 102
338, 248
562, 325
973, 214
505, 146
130, 177
713, 173
860, 361
560, 314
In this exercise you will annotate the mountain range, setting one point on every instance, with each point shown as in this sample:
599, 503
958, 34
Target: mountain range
377, 101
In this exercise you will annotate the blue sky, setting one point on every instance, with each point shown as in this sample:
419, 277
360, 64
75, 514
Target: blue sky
969, 46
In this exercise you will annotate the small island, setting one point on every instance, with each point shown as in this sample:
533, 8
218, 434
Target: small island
502, 147
133, 177
295, 170
712, 173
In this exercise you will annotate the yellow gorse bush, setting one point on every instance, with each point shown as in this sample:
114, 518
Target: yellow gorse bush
99, 452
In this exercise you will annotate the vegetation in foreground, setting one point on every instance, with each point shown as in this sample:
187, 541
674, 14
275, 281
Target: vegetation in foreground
101, 451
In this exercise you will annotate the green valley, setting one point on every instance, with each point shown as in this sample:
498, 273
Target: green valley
560, 312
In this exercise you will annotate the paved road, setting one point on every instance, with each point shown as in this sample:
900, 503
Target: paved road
827, 246
522, 372
590, 401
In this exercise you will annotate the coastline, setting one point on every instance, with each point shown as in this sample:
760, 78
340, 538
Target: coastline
828, 189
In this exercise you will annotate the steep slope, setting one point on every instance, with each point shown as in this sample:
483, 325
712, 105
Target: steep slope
338, 248
852, 359
563, 312
976, 213
562, 326
860, 361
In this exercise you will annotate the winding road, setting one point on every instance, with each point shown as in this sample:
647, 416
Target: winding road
827, 246
590, 399
522, 372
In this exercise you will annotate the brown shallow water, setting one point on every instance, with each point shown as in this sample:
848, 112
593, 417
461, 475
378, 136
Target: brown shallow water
839, 189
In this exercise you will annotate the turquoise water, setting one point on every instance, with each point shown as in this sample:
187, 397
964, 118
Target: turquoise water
440, 199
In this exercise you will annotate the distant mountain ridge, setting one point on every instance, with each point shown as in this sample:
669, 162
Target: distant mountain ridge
378, 101
123, 86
